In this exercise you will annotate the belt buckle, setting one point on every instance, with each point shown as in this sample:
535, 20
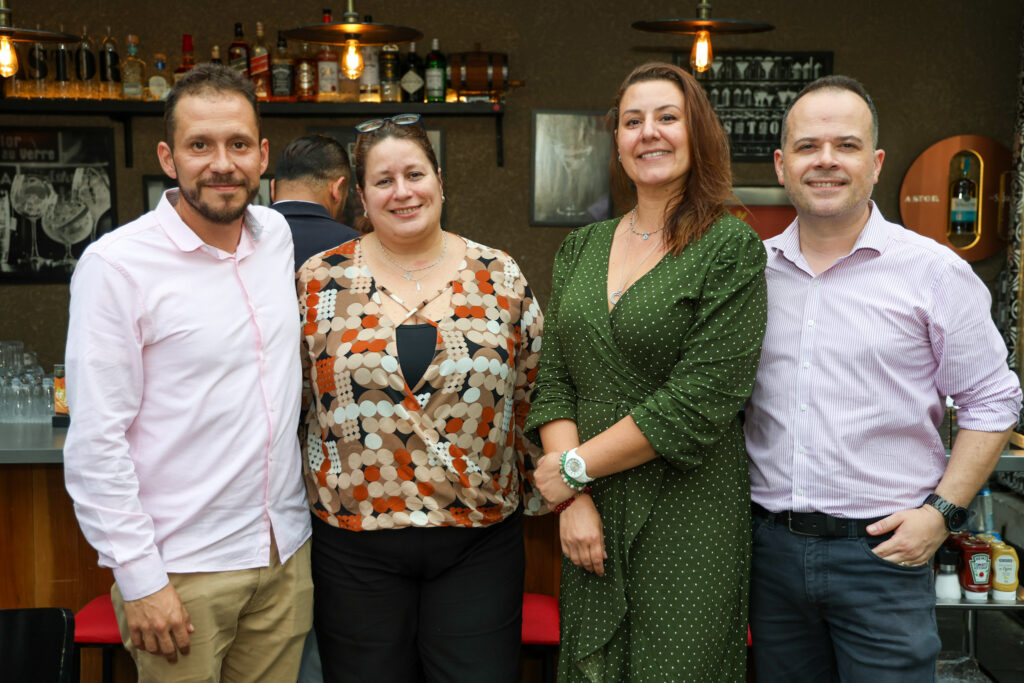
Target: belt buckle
789, 525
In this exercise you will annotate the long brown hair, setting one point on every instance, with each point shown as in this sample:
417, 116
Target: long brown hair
702, 197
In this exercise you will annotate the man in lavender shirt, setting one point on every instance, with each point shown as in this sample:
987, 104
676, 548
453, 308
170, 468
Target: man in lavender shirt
870, 327
184, 385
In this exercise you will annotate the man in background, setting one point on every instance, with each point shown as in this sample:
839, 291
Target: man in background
310, 186
184, 384
870, 327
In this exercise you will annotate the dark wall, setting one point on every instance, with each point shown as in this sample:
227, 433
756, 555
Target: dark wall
935, 69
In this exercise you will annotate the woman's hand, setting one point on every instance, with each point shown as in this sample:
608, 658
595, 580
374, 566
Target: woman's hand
548, 479
579, 528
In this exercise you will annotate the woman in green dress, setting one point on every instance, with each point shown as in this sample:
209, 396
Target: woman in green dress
653, 335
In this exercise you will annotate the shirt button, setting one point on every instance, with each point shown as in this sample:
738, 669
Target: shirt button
803, 406
802, 449
810, 323
800, 491
806, 364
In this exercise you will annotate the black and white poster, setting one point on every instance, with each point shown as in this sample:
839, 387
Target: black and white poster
750, 91
57, 195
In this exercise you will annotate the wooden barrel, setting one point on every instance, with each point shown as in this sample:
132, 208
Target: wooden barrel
479, 73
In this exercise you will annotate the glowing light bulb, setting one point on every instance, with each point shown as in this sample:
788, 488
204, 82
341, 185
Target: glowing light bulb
352, 60
8, 58
700, 55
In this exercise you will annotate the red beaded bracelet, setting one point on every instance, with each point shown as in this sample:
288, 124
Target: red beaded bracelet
560, 508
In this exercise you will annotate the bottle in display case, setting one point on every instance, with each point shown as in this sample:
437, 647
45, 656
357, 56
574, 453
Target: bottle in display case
238, 52
436, 67
110, 68
85, 68
63, 86
282, 73
412, 80
158, 86
215, 55
390, 90
259, 64
188, 59
963, 205
37, 70
306, 87
369, 81
133, 71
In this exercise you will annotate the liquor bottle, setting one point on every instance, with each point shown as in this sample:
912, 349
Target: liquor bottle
390, 90
215, 55
110, 68
306, 86
37, 70
412, 77
259, 64
188, 59
85, 68
369, 81
159, 84
133, 71
282, 73
63, 86
327, 69
435, 73
963, 207
238, 52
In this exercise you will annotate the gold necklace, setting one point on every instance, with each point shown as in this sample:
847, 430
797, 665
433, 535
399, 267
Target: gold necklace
623, 278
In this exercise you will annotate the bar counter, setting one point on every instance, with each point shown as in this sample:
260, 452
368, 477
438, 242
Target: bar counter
40, 443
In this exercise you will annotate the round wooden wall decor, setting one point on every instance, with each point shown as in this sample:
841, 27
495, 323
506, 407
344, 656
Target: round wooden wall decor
925, 193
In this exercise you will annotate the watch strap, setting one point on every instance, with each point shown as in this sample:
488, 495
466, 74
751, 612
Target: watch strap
945, 508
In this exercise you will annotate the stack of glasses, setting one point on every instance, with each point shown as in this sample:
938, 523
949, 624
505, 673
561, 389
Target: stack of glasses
26, 395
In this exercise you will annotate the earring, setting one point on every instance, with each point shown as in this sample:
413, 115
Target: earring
620, 158
442, 198
365, 215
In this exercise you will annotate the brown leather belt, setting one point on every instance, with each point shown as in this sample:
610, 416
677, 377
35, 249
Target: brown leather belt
817, 523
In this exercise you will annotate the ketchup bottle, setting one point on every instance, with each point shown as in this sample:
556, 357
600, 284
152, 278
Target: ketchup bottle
975, 569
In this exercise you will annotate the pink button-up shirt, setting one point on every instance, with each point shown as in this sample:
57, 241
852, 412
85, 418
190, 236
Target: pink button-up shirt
855, 367
184, 385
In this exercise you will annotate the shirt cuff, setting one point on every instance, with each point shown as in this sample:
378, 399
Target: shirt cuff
141, 578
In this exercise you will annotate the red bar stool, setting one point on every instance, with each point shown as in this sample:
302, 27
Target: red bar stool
96, 626
540, 632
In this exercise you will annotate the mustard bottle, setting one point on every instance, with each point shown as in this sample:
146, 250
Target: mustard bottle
1005, 565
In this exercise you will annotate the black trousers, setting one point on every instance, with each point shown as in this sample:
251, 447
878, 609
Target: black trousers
419, 604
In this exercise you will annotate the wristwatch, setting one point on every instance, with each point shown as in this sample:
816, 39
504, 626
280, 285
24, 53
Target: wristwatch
576, 467
956, 516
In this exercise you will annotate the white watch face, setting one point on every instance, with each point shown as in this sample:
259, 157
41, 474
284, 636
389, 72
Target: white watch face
576, 467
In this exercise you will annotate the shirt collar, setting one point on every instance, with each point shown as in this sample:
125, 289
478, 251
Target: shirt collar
874, 236
187, 240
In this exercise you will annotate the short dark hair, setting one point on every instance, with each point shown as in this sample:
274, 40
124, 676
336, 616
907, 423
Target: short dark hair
836, 82
203, 78
312, 159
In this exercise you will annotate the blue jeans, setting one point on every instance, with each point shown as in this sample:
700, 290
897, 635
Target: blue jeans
829, 609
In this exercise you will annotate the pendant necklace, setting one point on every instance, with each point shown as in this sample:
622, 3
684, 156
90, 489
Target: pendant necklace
407, 272
623, 278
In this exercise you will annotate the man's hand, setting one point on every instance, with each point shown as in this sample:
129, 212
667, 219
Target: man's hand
548, 479
159, 623
917, 534
579, 528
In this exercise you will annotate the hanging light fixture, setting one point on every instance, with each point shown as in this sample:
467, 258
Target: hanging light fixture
352, 33
703, 26
10, 34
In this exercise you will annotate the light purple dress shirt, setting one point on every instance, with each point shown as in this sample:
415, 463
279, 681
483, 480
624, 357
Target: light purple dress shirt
855, 367
184, 384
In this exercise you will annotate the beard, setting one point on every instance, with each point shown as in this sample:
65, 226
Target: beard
228, 213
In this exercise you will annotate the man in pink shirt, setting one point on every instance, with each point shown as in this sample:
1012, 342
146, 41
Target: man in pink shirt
184, 386
870, 327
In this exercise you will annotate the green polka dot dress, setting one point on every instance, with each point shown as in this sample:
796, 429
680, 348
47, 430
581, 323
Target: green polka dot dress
679, 353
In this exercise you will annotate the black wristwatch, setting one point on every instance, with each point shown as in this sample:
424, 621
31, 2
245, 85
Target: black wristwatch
956, 516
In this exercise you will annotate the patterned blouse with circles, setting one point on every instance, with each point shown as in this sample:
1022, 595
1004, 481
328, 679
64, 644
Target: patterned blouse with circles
449, 451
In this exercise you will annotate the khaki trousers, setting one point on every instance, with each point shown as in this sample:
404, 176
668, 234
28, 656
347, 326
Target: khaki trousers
250, 624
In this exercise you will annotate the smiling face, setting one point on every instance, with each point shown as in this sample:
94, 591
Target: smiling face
651, 136
217, 158
829, 165
401, 191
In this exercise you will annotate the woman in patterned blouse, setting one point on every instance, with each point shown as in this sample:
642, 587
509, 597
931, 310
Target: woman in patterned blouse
420, 348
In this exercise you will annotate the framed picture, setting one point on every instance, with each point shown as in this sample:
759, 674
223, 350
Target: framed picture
765, 208
347, 137
153, 187
750, 90
57, 194
569, 183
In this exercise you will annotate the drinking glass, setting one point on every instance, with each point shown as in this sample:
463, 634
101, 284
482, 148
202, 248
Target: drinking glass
30, 197
68, 221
